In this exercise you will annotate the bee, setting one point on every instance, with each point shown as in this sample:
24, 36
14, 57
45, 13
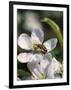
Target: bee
40, 48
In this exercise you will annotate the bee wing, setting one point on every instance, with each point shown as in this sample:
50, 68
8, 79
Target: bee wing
50, 44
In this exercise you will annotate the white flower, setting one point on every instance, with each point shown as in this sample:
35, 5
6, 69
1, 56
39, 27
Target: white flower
41, 66
27, 43
39, 63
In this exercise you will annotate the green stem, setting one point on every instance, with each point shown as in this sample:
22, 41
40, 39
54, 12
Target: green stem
55, 29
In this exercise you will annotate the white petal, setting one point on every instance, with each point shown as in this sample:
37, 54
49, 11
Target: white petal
35, 61
31, 21
48, 56
37, 36
50, 44
44, 63
36, 58
24, 57
24, 41
55, 67
35, 67
34, 70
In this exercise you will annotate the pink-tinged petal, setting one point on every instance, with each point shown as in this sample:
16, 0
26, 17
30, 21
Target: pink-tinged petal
50, 44
24, 57
24, 41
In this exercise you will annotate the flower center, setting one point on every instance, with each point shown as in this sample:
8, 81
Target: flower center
39, 48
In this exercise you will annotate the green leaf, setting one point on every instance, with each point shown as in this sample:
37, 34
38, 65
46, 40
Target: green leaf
55, 28
57, 53
23, 74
